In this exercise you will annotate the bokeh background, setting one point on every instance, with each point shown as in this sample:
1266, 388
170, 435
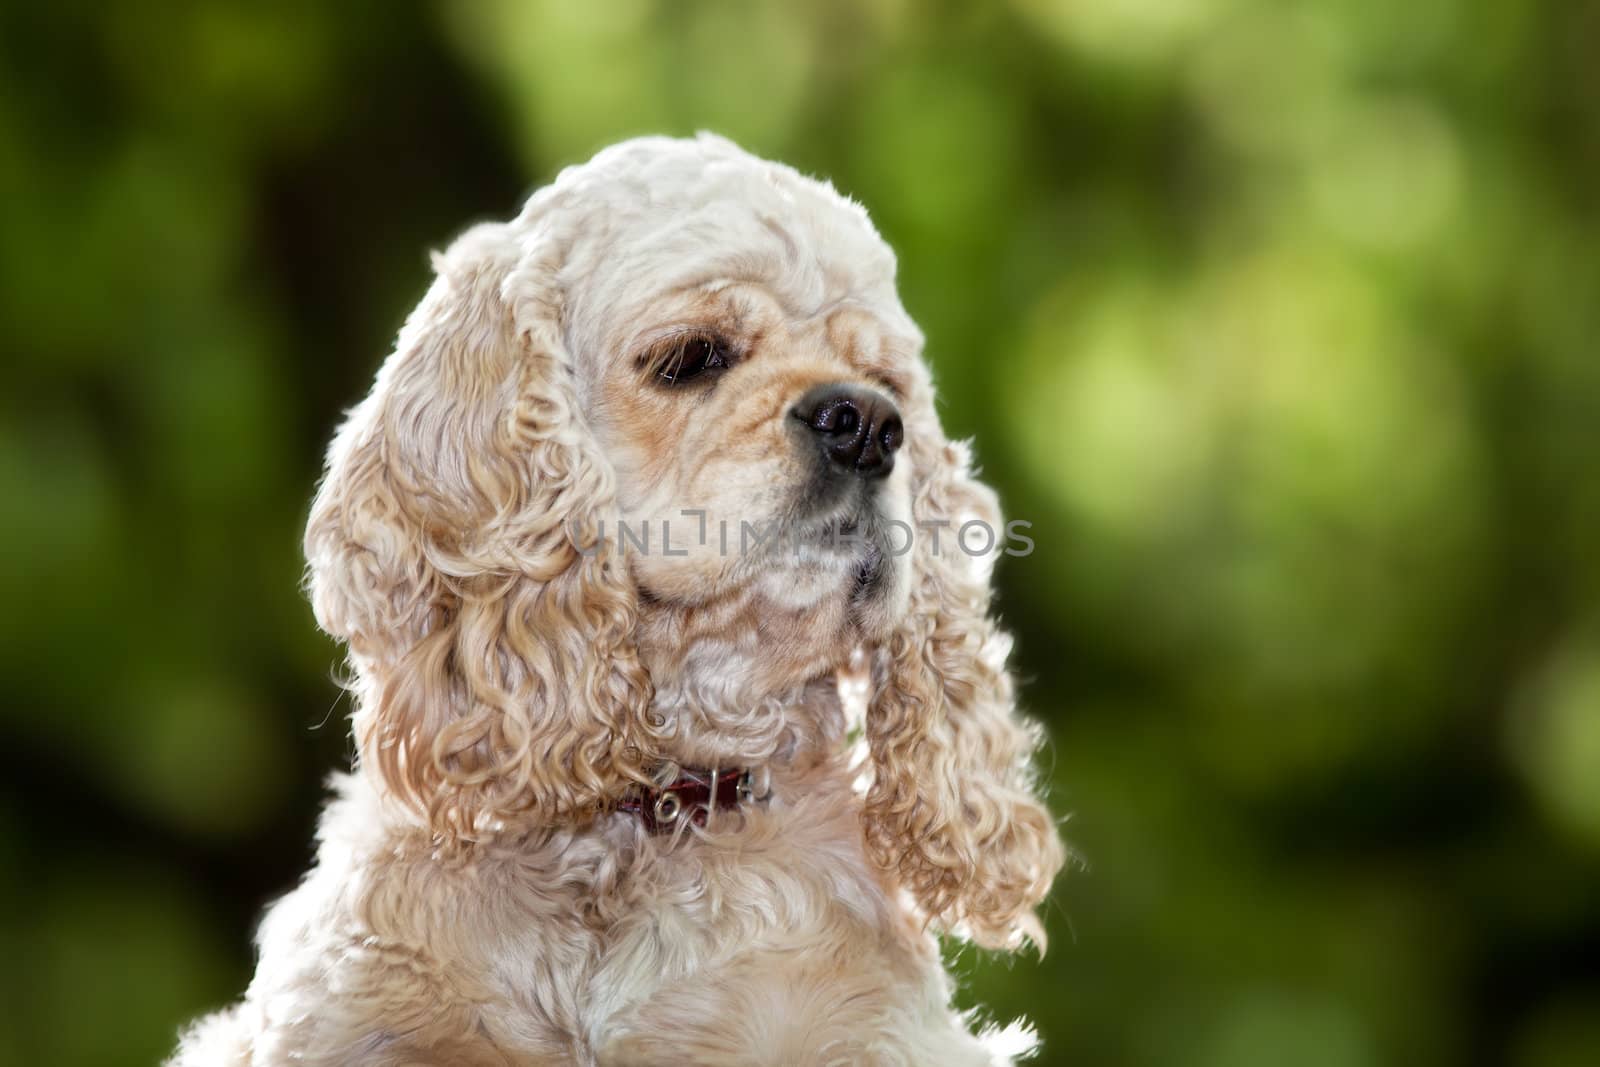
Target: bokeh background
1279, 320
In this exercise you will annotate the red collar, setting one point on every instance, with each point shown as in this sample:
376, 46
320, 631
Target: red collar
694, 794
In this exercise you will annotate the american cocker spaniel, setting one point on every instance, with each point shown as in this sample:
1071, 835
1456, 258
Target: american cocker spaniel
683, 724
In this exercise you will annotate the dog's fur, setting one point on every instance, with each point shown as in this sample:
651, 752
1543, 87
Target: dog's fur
477, 897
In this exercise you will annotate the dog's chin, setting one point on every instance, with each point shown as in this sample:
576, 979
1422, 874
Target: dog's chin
786, 622
857, 591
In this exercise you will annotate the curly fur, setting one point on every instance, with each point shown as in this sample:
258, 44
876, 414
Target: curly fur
476, 896
952, 808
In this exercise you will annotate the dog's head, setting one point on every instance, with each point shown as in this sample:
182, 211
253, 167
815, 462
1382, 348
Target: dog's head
665, 441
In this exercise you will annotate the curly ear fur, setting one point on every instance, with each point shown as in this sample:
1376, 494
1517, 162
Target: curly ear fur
952, 809
495, 671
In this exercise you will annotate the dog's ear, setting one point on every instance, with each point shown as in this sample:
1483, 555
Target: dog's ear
494, 666
952, 808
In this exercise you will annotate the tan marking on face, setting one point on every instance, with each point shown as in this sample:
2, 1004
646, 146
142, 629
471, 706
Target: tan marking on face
876, 356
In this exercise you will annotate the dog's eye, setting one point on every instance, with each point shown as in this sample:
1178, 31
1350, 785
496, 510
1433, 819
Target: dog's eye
690, 357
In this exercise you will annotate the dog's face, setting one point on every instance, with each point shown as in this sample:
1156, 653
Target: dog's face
752, 403
701, 356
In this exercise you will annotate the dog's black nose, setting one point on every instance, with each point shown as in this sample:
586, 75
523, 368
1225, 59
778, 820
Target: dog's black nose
860, 429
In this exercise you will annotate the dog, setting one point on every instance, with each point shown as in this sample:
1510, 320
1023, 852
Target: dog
707, 799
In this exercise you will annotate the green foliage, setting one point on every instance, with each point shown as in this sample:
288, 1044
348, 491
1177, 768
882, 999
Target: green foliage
1278, 320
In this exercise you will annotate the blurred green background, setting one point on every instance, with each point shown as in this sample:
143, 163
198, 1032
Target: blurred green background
1279, 320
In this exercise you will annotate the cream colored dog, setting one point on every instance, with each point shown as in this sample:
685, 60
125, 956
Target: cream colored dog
538, 859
